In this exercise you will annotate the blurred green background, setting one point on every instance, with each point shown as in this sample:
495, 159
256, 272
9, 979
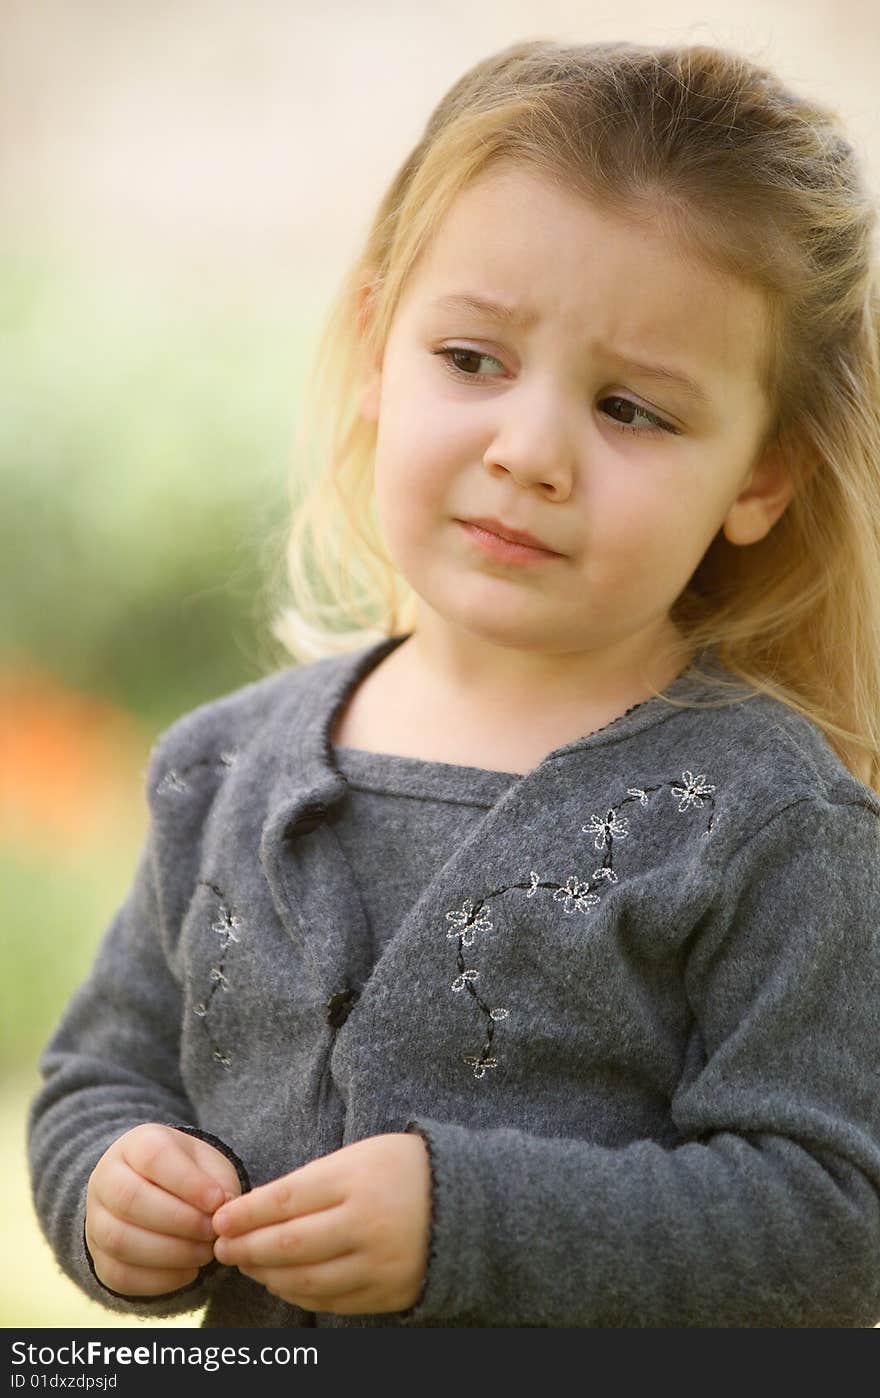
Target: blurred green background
181, 187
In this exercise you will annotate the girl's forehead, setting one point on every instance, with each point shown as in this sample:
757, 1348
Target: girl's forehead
518, 222
551, 261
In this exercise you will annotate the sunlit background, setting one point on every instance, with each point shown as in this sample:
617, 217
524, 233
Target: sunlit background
182, 184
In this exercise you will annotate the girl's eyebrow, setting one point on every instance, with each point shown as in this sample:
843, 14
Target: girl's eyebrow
468, 301
526, 317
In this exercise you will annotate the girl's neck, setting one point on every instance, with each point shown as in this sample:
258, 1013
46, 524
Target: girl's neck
480, 678
413, 709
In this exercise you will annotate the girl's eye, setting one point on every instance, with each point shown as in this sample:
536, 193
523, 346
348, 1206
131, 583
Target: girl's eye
633, 410
451, 354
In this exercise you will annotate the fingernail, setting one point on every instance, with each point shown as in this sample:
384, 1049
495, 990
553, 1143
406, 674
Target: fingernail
214, 1196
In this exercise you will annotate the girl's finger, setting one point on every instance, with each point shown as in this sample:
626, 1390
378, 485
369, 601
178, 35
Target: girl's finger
312, 1238
139, 1247
216, 1165
141, 1281
308, 1190
159, 1156
130, 1196
313, 1287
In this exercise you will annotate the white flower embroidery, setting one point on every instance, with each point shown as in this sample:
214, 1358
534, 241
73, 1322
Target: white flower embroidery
466, 925
461, 981
576, 895
606, 827
480, 1064
225, 926
218, 975
693, 790
171, 782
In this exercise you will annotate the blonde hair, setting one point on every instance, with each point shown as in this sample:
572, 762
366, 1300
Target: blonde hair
764, 185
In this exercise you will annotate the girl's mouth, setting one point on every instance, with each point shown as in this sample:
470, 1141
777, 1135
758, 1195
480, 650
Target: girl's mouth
505, 549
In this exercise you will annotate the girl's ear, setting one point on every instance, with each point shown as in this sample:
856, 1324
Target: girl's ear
764, 497
371, 380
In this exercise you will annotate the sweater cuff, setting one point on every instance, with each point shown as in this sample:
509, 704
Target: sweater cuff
224, 1149
209, 1268
454, 1279
145, 1300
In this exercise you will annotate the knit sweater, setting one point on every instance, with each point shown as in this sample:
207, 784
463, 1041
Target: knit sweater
633, 1010
406, 817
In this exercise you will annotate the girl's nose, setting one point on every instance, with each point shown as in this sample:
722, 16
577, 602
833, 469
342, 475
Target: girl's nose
534, 443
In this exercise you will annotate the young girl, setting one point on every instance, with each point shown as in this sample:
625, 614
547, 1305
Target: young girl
514, 961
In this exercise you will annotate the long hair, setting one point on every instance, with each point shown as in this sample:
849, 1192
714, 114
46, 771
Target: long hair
764, 185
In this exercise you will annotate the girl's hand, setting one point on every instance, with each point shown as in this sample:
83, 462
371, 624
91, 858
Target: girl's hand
148, 1209
347, 1232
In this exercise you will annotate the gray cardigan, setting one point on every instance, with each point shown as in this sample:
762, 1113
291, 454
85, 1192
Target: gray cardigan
635, 1016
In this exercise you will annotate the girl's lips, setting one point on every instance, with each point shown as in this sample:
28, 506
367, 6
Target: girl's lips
505, 549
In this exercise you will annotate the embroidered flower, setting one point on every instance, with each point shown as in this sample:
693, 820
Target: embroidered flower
499, 1014
534, 879
576, 895
461, 981
226, 926
606, 872
637, 791
479, 1063
171, 782
606, 828
693, 790
466, 923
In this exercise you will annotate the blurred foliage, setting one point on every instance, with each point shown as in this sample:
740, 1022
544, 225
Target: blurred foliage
145, 449
59, 912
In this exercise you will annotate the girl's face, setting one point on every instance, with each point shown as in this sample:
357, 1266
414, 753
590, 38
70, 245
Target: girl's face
551, 420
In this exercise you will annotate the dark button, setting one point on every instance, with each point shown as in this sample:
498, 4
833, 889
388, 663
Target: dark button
308, 819
339, 1007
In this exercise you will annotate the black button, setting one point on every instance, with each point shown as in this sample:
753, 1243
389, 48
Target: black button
308, 819
339, 1007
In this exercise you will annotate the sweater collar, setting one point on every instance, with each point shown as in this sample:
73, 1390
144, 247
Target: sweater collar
307, 782
304, 751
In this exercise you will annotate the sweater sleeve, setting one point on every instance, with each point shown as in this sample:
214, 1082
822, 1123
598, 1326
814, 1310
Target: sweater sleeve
112, 1064
767, 1214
